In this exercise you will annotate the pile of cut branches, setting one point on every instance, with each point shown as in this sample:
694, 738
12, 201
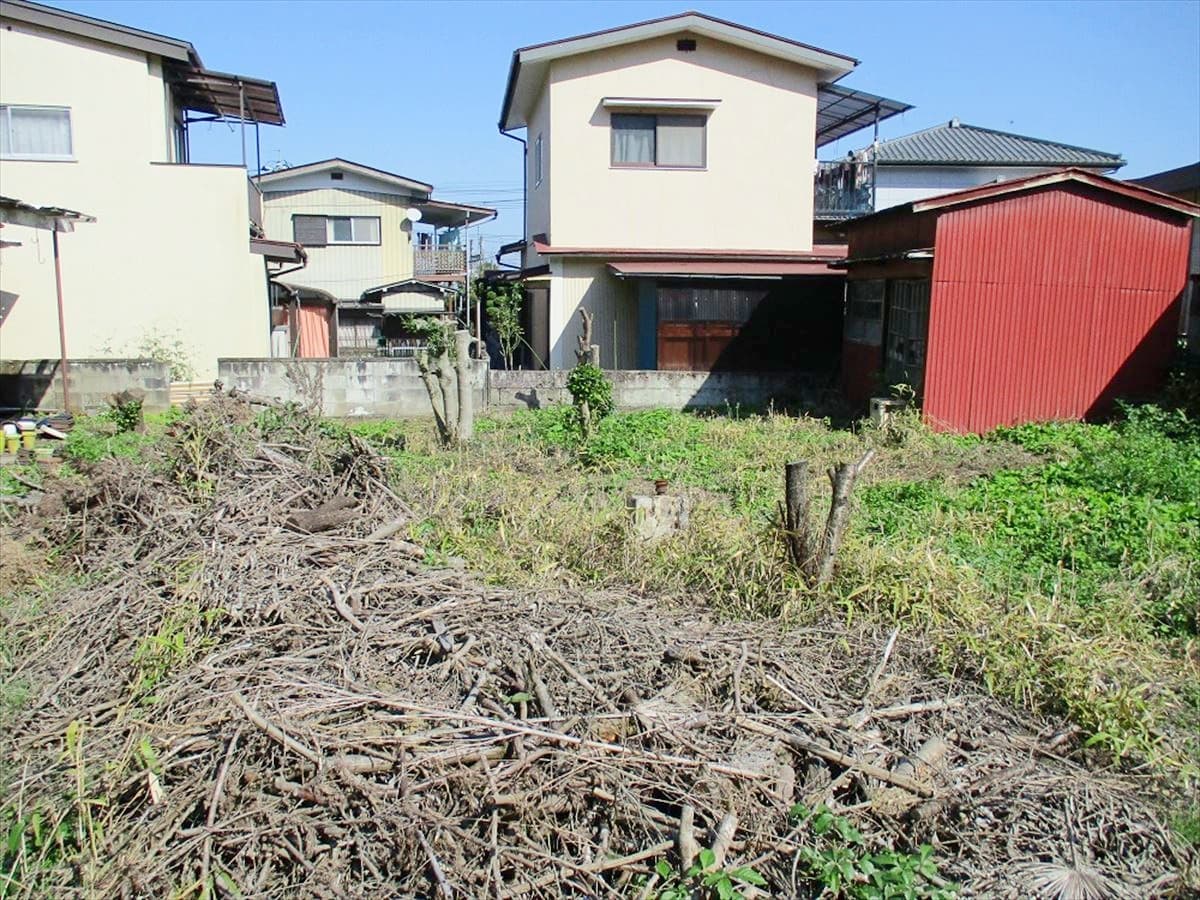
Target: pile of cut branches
254, 686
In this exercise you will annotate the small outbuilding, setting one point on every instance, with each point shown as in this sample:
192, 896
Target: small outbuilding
1040, 298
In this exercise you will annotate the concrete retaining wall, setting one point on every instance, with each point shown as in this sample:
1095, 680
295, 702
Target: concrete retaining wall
667, 390
347, 388
37, 383
392, 388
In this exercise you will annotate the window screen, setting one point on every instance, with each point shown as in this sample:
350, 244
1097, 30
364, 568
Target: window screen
864, 311
309, 230
35, 132
907, 329
537, 161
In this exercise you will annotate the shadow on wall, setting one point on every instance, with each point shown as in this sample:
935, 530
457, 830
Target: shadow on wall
36, 384
1143, 374
7, 301
28, 384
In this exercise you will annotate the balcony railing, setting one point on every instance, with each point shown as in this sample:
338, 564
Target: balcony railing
843, 190
439, 261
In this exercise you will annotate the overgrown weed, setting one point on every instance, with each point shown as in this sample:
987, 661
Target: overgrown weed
1054, 563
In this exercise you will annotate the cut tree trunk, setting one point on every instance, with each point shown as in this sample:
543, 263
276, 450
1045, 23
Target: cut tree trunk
798, 531
842, 478
448, 383
466, 399
587, 353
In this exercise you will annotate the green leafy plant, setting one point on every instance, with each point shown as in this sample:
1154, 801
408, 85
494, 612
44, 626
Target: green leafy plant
702, 880
126, 413
437, 333
503, 303
839, 861
591, 393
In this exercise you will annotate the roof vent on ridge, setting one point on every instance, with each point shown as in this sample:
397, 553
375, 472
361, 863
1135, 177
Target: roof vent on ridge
955, 123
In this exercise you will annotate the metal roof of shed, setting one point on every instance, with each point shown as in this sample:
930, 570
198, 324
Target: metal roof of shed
956, 144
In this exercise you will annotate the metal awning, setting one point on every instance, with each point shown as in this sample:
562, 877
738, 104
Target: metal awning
48, 218
226, 96
842, 111
279, 251
444, 214
718, 269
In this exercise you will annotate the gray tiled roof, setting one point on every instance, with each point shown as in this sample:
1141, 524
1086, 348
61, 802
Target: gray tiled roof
955, 144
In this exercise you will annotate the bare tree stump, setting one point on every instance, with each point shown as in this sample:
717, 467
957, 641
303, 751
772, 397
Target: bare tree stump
466, 399
798, 531
587, 353
842, 478
448, 383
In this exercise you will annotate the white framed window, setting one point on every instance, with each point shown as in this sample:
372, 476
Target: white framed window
352, 230
640, 140
35, 132
537, 162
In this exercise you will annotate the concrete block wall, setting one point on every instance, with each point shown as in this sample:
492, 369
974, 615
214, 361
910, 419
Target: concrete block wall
647, 389
37, 383
347, 388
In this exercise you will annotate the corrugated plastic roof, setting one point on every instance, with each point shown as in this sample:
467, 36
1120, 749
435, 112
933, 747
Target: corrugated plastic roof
955, 144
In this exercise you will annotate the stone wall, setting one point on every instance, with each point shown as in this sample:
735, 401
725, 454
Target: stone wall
346, 388
668, 390
37, 383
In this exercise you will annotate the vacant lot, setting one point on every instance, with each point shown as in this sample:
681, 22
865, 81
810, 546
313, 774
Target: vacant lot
203, 699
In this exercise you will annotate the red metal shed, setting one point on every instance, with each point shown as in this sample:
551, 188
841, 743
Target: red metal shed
1034, 299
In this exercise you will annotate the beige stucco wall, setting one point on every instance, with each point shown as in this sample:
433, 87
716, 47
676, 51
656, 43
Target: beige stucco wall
347, 270
760, 136
169, 253
612, 302
537, 205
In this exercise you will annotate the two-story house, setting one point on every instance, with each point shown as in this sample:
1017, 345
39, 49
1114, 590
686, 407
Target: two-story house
379, 248
947, 157
95, 117
660, 194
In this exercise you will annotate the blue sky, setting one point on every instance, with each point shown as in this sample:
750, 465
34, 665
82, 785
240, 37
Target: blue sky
415, 88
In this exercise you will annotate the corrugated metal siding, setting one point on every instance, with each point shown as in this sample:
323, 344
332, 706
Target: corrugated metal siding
1050, 305
345, 271
613, 304
882, 235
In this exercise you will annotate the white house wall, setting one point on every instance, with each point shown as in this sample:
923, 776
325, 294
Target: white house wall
579, 283
904, 184
169, 254
746, 197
